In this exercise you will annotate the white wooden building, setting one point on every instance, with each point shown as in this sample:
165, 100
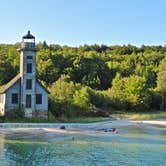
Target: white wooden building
24, 91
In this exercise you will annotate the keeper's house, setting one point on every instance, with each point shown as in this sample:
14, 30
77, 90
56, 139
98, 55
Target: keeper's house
24, 90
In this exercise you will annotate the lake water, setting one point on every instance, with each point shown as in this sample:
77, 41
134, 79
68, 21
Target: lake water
133, 146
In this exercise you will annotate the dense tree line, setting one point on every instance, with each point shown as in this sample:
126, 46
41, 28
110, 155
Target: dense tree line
95, 77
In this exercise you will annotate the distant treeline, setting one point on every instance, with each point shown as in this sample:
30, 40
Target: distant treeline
85, 79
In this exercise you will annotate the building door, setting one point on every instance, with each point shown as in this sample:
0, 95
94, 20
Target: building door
28, 106
28, 101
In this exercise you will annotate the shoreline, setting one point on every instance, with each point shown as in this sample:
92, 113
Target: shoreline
151, 122
76, 128
119, 122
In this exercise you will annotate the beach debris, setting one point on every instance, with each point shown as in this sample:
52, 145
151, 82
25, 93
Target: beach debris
114, 130
62, 127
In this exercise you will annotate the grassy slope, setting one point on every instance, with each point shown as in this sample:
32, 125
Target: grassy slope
142, 116
58, 120
133, 116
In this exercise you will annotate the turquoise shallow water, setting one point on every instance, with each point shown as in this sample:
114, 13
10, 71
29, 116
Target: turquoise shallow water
131, 147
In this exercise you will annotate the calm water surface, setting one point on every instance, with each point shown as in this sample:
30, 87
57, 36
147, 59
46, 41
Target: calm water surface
131, 147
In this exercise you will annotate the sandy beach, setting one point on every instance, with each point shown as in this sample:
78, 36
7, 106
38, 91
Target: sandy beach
76, 128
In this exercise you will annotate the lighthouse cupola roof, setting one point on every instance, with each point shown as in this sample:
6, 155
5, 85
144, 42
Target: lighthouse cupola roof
28, 42
28, 36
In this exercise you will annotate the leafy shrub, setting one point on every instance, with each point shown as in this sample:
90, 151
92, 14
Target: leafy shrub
99, 99
14, 114
81, 99
130, 93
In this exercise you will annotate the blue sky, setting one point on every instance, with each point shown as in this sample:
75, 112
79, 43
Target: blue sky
78, 22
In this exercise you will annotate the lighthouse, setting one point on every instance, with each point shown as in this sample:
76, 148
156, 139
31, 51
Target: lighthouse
24, 91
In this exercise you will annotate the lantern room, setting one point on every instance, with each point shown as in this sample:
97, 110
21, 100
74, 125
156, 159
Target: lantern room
28, 41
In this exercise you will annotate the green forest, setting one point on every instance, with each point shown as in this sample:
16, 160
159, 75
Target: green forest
95, 79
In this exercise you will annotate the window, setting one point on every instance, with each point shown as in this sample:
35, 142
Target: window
38, 98
29, 67
28, 101
14, 98
29, 57
28, 84
1, 98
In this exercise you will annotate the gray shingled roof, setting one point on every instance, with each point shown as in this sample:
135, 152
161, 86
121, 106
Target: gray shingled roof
5, 87
42, 86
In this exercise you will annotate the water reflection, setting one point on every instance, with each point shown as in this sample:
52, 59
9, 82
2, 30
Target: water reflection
2, 149
133, 146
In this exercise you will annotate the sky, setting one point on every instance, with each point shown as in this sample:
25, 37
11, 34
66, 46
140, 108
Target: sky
79, 22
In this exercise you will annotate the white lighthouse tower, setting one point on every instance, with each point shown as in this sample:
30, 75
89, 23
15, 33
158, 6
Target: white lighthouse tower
28, 73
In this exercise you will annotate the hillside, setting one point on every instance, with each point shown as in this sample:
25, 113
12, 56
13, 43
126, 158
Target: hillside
91, 78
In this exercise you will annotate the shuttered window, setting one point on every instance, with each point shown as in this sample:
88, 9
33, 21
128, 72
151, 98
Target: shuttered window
38, 98
29, 57
29, 67
14, 98
28, 101
29, 84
